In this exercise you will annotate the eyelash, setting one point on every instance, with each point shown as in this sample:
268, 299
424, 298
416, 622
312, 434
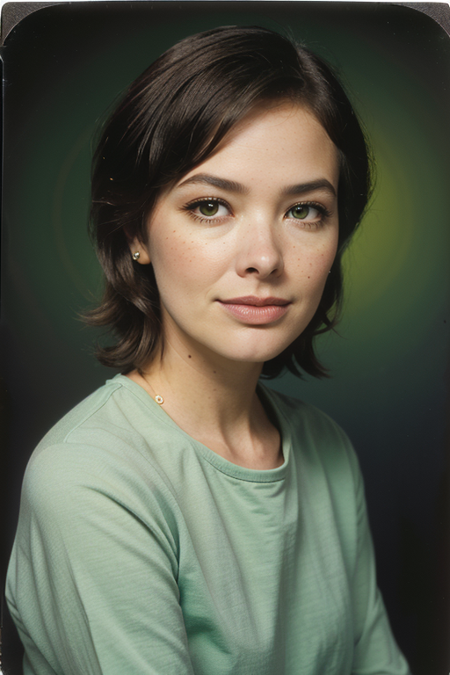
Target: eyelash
204, 219
324, 214
190, 208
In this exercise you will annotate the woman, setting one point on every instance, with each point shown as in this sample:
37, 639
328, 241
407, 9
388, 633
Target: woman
183, 518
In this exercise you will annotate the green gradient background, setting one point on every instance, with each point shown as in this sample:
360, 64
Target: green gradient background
63, 67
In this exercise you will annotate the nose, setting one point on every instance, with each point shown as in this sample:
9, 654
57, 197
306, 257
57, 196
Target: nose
259, 251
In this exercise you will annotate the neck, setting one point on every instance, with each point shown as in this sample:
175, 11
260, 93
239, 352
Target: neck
203, 386
214, 400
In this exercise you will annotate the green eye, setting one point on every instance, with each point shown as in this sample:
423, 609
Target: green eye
300, 211
208, 208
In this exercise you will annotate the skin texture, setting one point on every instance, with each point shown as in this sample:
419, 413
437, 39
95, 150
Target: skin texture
242, 225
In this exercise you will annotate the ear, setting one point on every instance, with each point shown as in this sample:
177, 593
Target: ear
138, 250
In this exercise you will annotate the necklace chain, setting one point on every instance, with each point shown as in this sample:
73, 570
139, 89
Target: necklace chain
156, 397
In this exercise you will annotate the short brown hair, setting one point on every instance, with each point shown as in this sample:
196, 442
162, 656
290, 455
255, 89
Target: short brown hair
171, 119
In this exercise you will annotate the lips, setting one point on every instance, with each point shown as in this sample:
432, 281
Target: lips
253, 310
254, 301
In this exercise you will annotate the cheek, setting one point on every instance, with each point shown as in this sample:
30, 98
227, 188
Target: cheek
169, 251
181, 264
314, 264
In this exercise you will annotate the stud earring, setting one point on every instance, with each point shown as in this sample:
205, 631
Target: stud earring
136, 255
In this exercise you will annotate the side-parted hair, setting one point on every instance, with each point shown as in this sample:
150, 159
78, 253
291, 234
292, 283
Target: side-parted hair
171, 119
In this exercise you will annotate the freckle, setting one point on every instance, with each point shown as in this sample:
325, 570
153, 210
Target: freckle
214, 371
309, 277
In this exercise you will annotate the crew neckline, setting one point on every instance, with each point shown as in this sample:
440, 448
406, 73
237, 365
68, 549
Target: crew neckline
267, 399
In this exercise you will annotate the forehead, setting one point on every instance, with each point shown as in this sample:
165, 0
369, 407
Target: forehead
283, 142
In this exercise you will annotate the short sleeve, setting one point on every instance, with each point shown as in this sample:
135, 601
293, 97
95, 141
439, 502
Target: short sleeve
92, 582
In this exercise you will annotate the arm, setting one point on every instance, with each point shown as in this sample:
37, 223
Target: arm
92, 581
376, 652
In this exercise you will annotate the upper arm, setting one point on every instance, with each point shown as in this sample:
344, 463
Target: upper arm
93, 573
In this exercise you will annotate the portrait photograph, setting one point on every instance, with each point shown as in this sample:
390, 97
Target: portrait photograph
224, 385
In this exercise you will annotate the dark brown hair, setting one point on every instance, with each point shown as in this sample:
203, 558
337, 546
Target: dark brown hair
171, 119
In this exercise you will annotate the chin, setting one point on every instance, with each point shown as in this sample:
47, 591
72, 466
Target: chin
257, 353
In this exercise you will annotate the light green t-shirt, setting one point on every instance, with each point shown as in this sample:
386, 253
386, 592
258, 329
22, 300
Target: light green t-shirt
139, 551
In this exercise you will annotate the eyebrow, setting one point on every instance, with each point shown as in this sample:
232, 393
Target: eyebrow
223, 183
301, 188
233, 186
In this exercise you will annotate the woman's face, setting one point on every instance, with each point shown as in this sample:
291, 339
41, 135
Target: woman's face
242, 245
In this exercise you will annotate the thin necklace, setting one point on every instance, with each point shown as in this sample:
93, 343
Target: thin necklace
157, 397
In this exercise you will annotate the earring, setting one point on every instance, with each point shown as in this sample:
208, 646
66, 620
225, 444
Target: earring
136, 255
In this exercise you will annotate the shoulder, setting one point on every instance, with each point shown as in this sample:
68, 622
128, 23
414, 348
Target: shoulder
307, 420
98, 455
315, 436
118, 420
326, 469
78, 442
108, 410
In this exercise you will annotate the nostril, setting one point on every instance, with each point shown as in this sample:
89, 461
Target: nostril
251, 269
